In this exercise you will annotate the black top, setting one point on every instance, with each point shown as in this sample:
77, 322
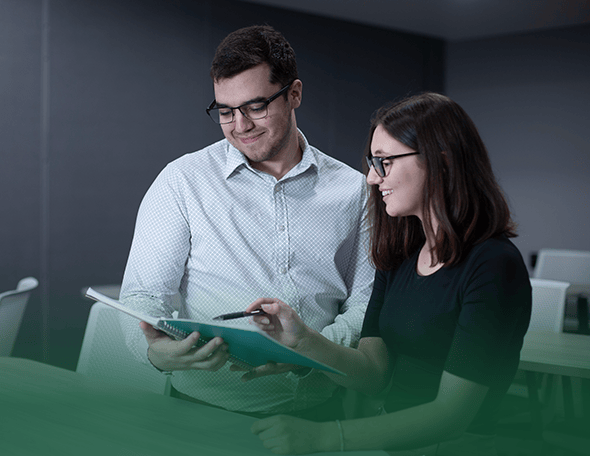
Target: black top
469, 320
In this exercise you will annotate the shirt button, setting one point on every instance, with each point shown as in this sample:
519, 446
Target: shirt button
283, 270
281, 227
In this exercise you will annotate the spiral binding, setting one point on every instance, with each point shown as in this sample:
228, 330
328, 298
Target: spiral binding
180, 334
172, 331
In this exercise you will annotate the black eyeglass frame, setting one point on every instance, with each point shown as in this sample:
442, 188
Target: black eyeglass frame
265, 104
377, 162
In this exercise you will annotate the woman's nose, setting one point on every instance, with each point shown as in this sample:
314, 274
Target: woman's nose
372, 177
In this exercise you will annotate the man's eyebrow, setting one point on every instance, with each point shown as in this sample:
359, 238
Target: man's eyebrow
253, 100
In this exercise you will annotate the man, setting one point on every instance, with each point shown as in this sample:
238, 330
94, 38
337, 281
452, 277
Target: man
259, 214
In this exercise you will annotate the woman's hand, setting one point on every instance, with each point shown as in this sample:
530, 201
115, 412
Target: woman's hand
270, 368
281, 322
283, 434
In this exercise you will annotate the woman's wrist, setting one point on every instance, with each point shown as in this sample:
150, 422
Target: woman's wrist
331, 437
334, 440
307, 343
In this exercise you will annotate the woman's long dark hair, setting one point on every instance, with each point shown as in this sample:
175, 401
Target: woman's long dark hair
460, 191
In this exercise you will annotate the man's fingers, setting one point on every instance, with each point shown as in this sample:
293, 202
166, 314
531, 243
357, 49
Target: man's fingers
182, 355
214, 361
189, 342
204, 352
218, 360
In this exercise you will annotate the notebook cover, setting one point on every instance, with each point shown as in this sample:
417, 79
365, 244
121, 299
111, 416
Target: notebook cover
247, 344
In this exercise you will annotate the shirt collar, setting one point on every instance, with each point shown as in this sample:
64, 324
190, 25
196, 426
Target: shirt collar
237, 160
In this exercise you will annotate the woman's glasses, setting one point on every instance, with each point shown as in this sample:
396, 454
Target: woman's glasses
377, 162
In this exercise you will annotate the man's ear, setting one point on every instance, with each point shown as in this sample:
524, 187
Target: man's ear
295, 93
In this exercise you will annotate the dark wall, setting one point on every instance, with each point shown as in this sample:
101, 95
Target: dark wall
20, 150
98, 96
529, 95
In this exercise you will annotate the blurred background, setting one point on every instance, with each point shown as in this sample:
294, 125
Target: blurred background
96, 97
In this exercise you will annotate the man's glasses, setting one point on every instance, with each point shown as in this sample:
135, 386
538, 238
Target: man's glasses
377, 162
253, 110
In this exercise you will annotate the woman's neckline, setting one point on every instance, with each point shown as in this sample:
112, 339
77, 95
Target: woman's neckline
428, 271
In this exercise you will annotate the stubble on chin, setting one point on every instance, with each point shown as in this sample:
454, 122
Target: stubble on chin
283, 142
273, 149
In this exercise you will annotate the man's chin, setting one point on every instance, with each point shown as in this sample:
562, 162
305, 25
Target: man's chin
259, 158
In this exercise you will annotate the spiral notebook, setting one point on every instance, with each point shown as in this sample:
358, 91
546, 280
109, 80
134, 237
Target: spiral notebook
248, 346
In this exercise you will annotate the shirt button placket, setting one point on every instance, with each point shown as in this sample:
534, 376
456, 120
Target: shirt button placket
282, 247
282, 243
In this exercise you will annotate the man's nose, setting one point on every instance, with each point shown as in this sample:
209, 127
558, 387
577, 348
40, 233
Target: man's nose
242, 122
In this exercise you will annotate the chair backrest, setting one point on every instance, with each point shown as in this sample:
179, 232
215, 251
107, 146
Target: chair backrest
105, 356
548, 305
571, 266
12, 308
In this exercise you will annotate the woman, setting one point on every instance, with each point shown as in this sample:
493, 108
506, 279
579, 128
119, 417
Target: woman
450, 304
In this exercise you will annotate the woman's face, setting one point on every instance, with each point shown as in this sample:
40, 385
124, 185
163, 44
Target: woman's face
405, 177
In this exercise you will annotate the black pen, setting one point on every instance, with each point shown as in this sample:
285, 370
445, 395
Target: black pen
232, 316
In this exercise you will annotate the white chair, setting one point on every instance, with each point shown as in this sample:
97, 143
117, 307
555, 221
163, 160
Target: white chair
105, 356
547, 314
548, 308
548, 305
12, 308
571, 266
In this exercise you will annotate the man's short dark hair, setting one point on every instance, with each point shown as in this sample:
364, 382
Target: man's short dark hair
252, 46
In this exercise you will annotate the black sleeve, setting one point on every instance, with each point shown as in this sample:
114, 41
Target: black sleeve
371, 322
494, 317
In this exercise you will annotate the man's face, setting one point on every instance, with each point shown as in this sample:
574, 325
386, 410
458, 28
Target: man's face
262, 139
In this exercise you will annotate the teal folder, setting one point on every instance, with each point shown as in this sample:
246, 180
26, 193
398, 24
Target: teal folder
248, 346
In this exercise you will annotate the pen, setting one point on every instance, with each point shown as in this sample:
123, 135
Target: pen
231, 316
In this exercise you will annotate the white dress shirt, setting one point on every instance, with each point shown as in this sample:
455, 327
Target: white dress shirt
223, 234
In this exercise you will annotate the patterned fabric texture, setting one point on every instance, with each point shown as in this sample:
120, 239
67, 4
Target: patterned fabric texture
223, 234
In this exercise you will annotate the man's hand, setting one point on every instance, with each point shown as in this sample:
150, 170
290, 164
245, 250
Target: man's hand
171, 355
